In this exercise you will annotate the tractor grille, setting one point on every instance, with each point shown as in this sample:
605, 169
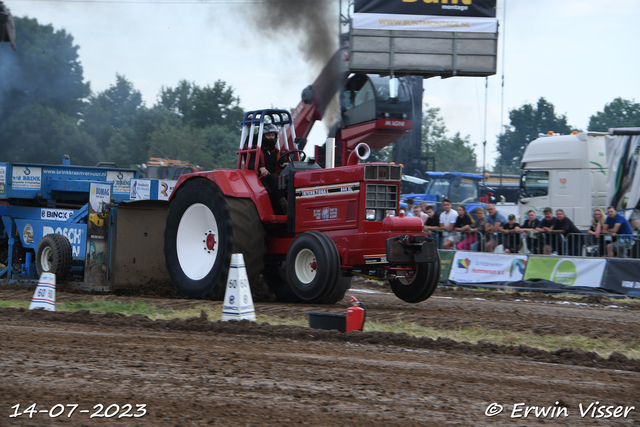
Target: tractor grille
381, 200
383, 172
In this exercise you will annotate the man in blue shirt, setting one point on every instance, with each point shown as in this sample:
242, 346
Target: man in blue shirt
493, 225
617, 225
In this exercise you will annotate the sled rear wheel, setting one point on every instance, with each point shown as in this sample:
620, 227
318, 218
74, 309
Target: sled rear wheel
54, 255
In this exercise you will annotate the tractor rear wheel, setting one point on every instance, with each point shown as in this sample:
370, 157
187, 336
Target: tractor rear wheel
54, 255
204, 227
313, 266
421, 286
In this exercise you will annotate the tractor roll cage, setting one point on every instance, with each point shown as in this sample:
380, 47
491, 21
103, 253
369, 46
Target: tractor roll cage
280, 118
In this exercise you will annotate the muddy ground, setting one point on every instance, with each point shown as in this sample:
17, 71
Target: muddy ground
202, 371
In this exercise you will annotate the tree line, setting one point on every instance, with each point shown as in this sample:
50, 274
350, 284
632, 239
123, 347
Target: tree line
47, 110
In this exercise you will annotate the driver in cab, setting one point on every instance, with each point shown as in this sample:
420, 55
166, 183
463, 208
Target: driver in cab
269, 166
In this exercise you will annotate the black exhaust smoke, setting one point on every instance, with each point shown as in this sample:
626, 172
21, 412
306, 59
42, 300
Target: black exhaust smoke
313, 24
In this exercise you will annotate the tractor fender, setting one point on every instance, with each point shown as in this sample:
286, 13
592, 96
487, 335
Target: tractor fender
237, 183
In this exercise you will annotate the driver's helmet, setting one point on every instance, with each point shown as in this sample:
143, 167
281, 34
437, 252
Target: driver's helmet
270, 135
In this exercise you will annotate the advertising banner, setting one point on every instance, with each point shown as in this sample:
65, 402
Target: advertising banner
165, 188
622, 160
140, 189
477, 8
622, 275
478, 267
566, 271
26, 178
32, 231
56, 214
446, 258
3, 180
463, 15
121, 181
95, 270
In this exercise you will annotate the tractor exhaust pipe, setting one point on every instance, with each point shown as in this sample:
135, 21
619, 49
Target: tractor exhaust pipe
361, 152
330, 154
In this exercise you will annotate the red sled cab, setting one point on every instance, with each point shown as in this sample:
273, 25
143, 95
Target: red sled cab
338, 222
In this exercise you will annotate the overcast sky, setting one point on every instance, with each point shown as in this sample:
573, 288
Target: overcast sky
578, 54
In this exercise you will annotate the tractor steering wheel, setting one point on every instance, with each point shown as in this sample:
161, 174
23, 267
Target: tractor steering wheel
288, 154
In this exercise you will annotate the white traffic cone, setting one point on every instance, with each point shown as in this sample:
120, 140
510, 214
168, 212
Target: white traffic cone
238, 303
45, 294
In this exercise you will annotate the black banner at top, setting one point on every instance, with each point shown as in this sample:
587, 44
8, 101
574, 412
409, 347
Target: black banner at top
474, 8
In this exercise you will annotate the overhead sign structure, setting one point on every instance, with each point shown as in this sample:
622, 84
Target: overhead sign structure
435, 38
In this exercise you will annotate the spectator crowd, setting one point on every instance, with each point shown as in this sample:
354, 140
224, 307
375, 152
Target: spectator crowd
610, 234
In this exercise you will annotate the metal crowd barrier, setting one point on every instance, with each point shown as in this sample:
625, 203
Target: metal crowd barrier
579, 244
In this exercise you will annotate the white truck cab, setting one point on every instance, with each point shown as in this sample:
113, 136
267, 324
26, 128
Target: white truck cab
566, 172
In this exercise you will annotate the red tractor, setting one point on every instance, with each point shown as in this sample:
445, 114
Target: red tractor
339, 222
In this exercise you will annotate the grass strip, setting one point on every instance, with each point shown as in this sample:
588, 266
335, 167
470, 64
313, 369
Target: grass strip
473, 334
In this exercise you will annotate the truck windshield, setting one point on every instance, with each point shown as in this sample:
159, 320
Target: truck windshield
534, 183
439, 188
466, 192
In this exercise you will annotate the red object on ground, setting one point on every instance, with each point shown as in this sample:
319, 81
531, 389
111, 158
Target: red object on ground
355, 315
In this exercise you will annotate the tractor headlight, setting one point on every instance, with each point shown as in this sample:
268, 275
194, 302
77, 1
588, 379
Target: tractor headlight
370, 215
390, 212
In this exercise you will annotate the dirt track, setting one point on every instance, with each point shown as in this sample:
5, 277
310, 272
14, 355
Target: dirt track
204, 372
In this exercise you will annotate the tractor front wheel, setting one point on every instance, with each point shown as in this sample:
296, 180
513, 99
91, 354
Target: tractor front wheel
278, 285
313, 266
420, 286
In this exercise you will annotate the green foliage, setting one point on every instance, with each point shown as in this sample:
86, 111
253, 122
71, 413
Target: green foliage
111, 110
46, 111
45, 70
526, 123
40, 134
222, 145
210, 148
452, 154
617, 114
202, 107
110, 117
130, 133
41, 95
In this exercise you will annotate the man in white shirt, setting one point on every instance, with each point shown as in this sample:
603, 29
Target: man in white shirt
417, 212
447, 220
